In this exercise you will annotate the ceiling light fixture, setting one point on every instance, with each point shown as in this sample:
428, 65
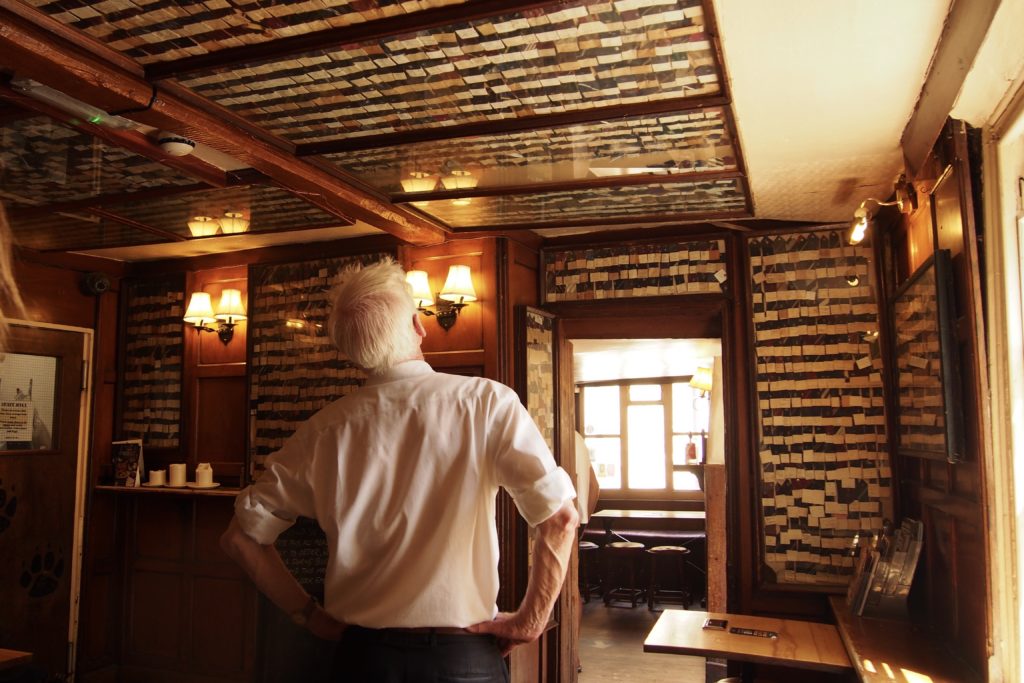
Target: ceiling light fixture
233, 222
203, 226
462, 201
84, 111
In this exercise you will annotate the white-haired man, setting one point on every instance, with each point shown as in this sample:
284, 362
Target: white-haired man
402, 476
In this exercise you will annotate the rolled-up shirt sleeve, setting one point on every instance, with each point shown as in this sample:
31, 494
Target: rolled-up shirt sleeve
282, 494
524, 464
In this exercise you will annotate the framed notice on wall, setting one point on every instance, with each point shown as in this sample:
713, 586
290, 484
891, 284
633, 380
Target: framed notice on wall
928, 419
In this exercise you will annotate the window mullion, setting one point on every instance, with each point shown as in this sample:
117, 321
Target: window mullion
666, 405
624, 434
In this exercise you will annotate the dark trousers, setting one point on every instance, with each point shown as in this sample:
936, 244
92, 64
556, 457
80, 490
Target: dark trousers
396, 656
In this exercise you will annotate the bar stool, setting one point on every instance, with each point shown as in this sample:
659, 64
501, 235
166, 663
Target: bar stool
668, 561
589, 579
621, 566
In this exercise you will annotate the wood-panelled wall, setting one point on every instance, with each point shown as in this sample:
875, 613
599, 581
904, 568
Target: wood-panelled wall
159, 598
951, 583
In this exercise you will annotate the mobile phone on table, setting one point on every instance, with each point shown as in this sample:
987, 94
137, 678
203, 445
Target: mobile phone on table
715, 624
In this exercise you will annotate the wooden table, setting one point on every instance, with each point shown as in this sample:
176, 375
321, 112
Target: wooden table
12, 658
689, 517
800, 644
894, 650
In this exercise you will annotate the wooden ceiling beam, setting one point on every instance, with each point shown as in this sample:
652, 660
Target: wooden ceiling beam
655, 219
962, 35
91, 77
132, 140
336, 37
566, 186
512, 125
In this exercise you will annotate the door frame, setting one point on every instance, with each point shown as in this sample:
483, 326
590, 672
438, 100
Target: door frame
81, 474
683, 316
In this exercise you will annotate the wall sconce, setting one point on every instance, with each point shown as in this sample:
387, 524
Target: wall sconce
906, 202
419, 181
459, 179
233, 222
457, 292
229, 313
203, 226
701, 381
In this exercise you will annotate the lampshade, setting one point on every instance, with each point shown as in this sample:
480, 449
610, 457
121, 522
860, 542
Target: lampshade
418, 181
420, 284
701, 379
459, 285
203, 226
233, 223
459, 179
231, 307
200, 310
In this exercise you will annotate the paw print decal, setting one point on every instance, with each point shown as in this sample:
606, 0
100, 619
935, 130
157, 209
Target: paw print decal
43, 576
8, 506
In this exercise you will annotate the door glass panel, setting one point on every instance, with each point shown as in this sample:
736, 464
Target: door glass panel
646, 447
28, 394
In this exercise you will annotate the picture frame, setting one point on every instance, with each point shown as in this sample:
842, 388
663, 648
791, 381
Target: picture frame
929, 423
126, 460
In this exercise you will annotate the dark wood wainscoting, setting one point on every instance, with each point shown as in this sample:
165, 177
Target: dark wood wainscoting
189, 612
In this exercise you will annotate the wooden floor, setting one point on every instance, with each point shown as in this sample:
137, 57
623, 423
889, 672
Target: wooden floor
611, 649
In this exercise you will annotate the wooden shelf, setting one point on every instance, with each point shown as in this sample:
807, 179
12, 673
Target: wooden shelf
887, 650
166, 491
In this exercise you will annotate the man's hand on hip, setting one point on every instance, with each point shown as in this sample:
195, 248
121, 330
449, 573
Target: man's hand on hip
510, 630
323, 625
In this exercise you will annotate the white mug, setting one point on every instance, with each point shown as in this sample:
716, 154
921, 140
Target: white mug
204, 474
177, 474
157, 477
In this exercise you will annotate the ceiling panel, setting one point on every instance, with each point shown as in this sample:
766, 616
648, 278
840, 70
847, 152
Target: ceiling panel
44, 162
570, 56
266, 209
157, 31
79, 231
669, 201
693, 141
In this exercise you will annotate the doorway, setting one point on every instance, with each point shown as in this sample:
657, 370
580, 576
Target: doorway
44, 389
644, 325
643, 407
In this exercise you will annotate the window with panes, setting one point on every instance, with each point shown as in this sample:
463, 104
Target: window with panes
645, 435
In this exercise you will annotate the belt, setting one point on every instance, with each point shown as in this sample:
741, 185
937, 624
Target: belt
438, 630
419, 630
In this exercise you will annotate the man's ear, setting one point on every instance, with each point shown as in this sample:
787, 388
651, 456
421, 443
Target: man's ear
417, 324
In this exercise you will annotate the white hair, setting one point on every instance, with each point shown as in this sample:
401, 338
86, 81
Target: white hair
8, 287
371, 316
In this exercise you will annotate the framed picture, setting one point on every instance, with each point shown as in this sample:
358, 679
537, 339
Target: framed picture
929, 422
126, 459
